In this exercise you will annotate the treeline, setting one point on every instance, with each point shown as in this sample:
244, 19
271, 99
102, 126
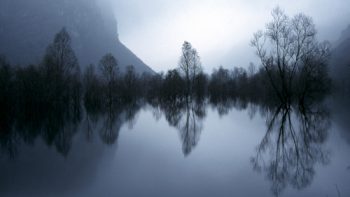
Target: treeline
293, 69
58, 80
48, 99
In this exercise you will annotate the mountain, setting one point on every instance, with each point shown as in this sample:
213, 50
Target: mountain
340, 60
27, 27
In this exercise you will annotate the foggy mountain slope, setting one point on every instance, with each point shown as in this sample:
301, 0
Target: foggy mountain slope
340, 60
27, 27
345, 35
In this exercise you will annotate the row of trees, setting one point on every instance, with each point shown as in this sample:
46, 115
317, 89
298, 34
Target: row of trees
46, 99
58, 80
293, 69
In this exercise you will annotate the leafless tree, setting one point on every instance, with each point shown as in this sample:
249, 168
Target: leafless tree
190, 65
60, 57
287, 47
109, 68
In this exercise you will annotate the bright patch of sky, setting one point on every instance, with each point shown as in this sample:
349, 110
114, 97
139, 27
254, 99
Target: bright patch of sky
220, 30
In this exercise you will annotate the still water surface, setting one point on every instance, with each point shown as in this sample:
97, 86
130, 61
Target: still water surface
230, 149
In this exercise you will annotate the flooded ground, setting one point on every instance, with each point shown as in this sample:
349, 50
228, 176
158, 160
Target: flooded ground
230, 148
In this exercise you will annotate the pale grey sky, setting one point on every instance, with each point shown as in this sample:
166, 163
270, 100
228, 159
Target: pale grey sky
219, 29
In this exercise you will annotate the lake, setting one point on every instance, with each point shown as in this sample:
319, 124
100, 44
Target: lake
229, 148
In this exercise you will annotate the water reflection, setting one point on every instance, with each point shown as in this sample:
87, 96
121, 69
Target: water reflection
187, 116
55, 123
224, 105
293, 145
109, 120
58, 123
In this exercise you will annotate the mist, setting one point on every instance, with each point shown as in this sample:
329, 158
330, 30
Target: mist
220, 30
174, 98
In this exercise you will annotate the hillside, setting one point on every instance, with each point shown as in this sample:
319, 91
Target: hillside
340, 60
27, 27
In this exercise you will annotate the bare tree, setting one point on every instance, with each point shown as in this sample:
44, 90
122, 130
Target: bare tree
130, 84
60, 57
60, 69
190, 65
109, 68
286, 47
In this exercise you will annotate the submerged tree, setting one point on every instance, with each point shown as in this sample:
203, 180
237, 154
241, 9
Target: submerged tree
190, 65
173, 86
219, 85
61, 73
92, 87
60, 57
109, 68
6, 95
288, 48
130, 85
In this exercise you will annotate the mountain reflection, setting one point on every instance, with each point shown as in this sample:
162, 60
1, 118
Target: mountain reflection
293, 144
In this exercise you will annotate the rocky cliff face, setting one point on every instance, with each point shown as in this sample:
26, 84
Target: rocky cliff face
27, 27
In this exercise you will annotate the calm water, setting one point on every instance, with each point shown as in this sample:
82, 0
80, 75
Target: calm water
227, 149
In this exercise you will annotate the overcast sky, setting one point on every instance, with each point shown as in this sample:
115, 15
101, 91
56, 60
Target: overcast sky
220, 30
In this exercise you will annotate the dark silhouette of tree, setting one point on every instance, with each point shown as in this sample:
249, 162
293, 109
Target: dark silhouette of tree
60, 58
220, 85
6, 95
93, 90
154, 86
61, 72
109, 68
173, 87
200, 86
190, 65
8, 138
131, 86
45, 99
288, 47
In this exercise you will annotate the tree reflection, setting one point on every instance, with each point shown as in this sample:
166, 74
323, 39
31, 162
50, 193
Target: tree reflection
224, 105
293, 145
57, 123
111, 126
186, 115
191, 125
108, 120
